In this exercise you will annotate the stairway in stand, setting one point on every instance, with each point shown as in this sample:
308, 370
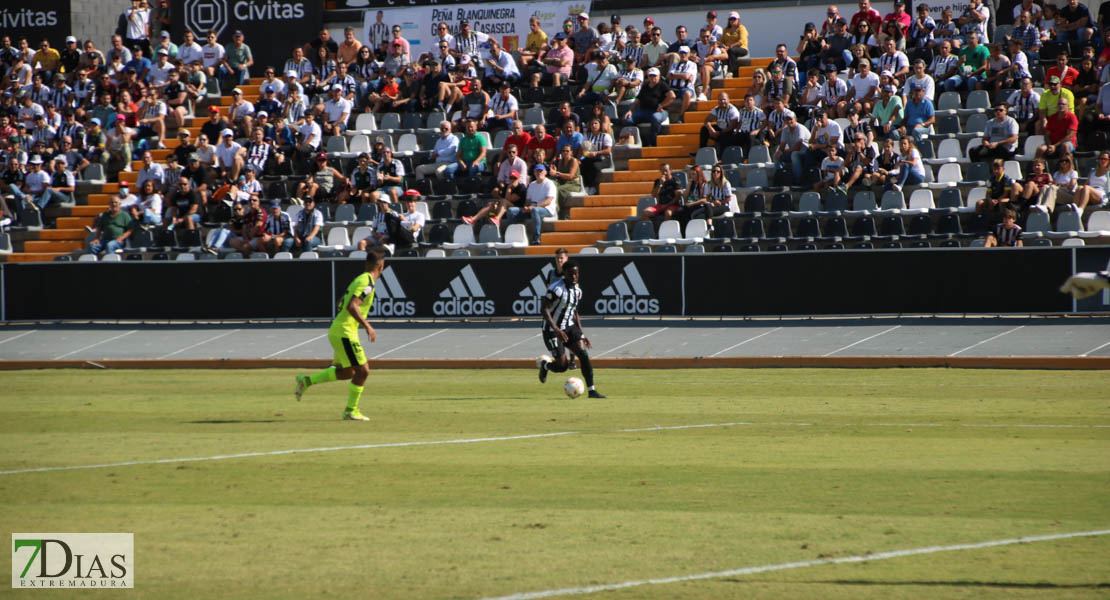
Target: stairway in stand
617, 199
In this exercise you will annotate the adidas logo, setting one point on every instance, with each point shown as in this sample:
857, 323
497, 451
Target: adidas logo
532, 295
464, 296
627, 295
389, 297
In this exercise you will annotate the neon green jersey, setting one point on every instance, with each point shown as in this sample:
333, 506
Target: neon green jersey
344, 324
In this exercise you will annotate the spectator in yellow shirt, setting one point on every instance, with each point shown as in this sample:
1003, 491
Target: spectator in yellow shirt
49, 59
735, 39
534, 44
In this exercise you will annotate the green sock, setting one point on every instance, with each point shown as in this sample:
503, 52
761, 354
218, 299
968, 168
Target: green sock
354, 392
324, 376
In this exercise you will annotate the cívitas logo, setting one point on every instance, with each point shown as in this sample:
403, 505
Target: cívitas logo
23, 18
627, 295
73, 560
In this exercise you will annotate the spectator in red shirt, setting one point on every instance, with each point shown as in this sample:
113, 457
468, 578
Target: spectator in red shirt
828, 26
900, 16
866, 12
1060, 129
519, 138
541, 141
1061, 69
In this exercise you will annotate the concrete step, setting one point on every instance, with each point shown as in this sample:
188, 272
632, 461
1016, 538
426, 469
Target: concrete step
571, 238
548, 249
608, 213
668, 151
583, 224
101, 199
74, 222
686, 128
160, 154
626, 176
643, 164
30, 256
131, 177
85, 211
642, 187
52, 246
62, 234
617, 200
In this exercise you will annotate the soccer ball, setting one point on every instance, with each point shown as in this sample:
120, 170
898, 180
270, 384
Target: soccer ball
574, 387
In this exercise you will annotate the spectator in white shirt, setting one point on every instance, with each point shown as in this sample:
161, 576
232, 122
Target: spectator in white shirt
189, 51
500, 66
211, 55
337, 110
230, 156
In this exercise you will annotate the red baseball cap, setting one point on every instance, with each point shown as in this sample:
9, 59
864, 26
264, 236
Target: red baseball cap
213, 109
514, 173
411, 192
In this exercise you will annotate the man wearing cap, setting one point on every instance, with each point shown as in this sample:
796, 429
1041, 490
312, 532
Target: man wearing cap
972, 65
70, 58
336, 110
1050, 101
36, 181
540, 203
214, 125
650, 105
681, 77
627, 86
900, 16
159, 72
111, 229
348, 86
165, 43
1000, 137
436, 90
230, 156
598, 81
887, 113
95, 142
277, 233
502, 109
836, 46
237, 60
920, 115
42, 133
558, 61
585, 38
396, 62
1060, 132
468, 42
212, 55
140, 64
272, 83
863, 87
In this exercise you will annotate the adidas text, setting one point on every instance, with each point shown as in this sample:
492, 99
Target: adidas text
626, 305
454, 307
393, 308
530, 306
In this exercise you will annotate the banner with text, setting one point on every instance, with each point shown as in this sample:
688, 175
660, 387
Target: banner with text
271, 28
505, 22
36, 20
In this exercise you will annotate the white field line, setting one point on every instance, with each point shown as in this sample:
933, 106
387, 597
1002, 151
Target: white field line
578, 591
308, 341
987, 340
16, 337
632, 341
870, 337
115, 337
191, 346
495, 352
419, 339
745, 342
1084, 354
160, 461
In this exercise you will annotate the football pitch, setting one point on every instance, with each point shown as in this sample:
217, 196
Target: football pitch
484, 483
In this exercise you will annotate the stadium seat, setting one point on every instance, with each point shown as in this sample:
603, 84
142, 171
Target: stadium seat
643, 203
733, 155
435, 253
978, 102
533, 116
695, 249
975, 125
891, 226
754, 204
588, 250
488, 235
365, 124
921, 201
516, 236
309, 255
460, 252
667, 248
808, 229
434, 119
723, 248
949, 173
366, 212
810, 202
184, 256
1068, 224
696, 232
114, 258
782, 203
462, 237
613, 250
949, 124
1036, 242
863, 202
706, 157
285, 256
724, 229
336, 145
1098, 225
337, 239
948, 103
1029, 150
239, 256
1073, 242
1013, 169
360, 233
390, 121
892, 200
835, 227
1037, 222
259, 256
752, 229
759, 154
344, 213
616, 234
407, 144
5, 243
669, 232
94, 173
779, 229
948, 151
978, 173
920, 227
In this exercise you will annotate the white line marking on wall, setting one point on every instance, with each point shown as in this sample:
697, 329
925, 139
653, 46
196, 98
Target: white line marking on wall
745, 341
870, 337
115, 337
992, 338
419, 339
191, 346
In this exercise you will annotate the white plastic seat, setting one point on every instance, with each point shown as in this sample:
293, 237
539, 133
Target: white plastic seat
1029, 151
669, 233
283, 255
1098, 225
588, 250
1013, 169
613, 250
338, 238
696, 232
949, 173
1073, 242
462, 237
921, 201
435, 253
357, 254
309, 255
360, 233
1068, 224
87, 258
364, 124
516, 236
359, 144
116, 258
973, 197
634, 132
183, 257
294, 211
407, 144
949, 148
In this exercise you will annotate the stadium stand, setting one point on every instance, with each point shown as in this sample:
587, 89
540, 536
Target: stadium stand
357, 144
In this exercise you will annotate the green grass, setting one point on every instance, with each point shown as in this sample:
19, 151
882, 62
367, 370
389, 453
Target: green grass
599, 506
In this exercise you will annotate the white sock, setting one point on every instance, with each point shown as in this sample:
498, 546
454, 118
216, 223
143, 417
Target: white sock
591, 388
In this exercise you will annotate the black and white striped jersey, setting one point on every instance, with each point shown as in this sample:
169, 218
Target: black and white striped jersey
564, 303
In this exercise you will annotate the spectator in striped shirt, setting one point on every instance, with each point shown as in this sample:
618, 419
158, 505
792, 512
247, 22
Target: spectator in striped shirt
681, 77
1025, 103
379, 31
1007, 233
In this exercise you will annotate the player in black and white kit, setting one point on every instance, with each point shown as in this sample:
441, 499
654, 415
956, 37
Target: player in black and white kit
556, 274
562, 327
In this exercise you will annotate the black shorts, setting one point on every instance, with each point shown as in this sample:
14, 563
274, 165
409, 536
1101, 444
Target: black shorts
555, 344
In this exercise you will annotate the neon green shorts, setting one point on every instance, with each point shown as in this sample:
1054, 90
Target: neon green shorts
348, 352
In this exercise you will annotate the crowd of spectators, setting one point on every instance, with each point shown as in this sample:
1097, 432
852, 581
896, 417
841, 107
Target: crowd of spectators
64, 111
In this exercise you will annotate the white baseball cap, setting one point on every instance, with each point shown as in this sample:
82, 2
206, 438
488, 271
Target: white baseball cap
226, 132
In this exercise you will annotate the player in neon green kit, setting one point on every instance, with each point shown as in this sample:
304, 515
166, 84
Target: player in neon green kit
350, 361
